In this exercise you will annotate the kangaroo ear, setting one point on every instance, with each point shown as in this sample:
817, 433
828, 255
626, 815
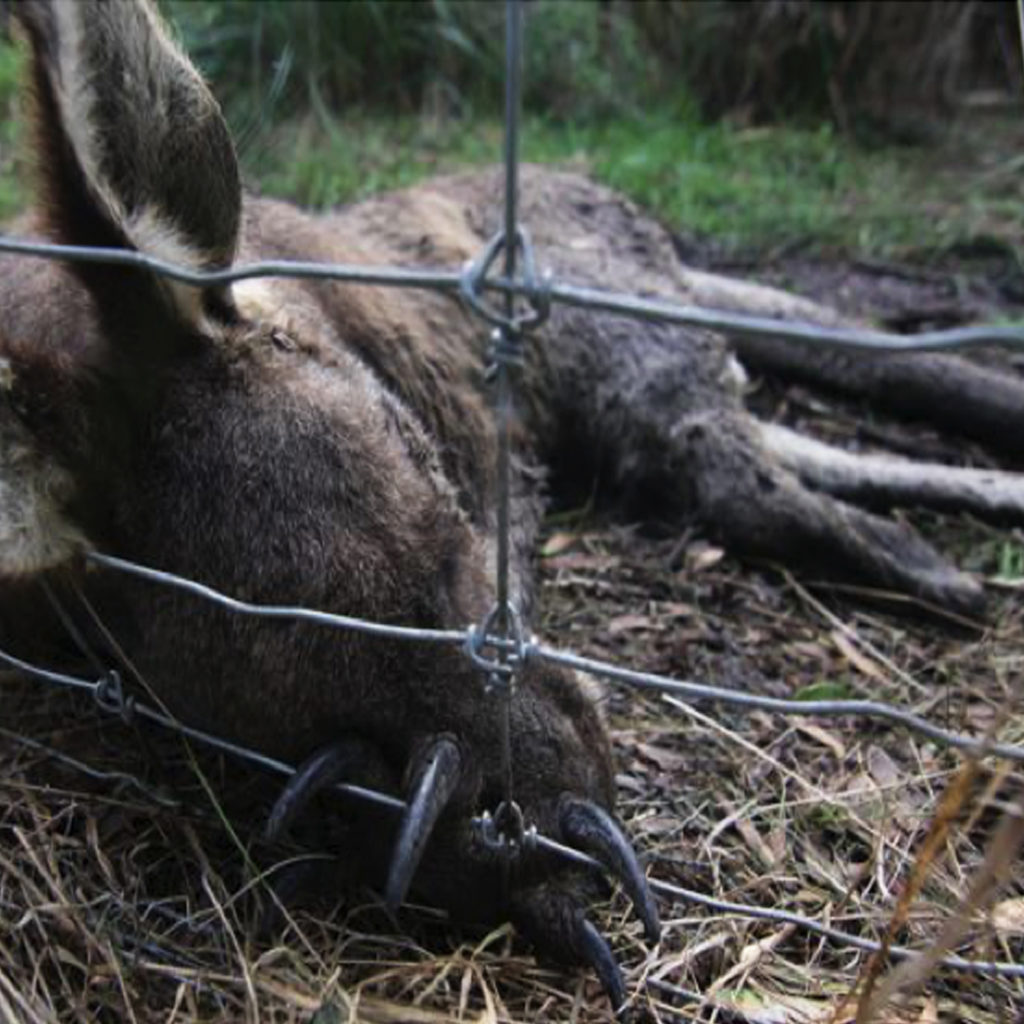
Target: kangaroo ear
132, 148
35, 533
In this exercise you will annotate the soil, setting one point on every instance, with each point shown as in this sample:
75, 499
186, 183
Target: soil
968, 284
646, 597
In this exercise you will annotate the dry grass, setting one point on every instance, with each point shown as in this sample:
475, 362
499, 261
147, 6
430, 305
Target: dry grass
128, 892
825, 818
134, 900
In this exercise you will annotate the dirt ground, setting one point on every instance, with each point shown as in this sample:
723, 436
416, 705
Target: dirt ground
127, 892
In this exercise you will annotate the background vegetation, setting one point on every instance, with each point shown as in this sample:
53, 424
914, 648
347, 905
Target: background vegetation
841, 124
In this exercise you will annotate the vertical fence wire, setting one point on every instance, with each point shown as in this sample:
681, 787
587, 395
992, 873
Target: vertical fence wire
507, 338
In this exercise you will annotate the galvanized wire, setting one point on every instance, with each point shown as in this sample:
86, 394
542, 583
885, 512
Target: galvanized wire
267, 611
956, 963
385, 277
473, 637
117, 778
111, 700
107, 693
455, 282
785, 330
509, 341
778, 705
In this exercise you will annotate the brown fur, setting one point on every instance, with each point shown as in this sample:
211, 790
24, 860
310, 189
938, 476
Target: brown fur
315, 444
331, 445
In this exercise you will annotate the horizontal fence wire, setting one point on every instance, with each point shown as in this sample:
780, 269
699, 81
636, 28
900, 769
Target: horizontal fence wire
268, 611
114, 703
111, 699
615, 673
463, 281
779, 705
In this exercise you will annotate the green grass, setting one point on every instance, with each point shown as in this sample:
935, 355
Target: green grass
405, 55
758, 186
12, 192
1011, 561
748, 188
363, 155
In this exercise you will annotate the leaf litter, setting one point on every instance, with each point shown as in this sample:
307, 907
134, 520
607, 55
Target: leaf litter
127, 895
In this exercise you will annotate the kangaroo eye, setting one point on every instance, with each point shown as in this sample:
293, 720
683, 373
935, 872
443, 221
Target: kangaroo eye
282, 341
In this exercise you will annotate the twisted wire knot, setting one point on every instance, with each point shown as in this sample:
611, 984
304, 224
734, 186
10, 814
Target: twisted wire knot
481, 639
535, 288
505, 832
109, 695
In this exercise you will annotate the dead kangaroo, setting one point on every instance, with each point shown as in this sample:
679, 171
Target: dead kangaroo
332, 446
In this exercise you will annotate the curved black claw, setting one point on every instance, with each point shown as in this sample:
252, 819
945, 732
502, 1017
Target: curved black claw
434, 780
552, 918
591, 828
594, 949
340, 761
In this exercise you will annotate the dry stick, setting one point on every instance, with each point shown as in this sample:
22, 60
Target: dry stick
852, 635
721, 1011
179, 998
809, 787
57, 892
11, 990
953, 802
1003, 771
750, 957
6, 1010
250, 989
994, 872
734, 816
852, 795
896, 598
116, 964
10, 870
819, 795
58, 903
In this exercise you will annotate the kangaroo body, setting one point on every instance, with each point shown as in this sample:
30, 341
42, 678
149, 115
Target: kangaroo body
332, 445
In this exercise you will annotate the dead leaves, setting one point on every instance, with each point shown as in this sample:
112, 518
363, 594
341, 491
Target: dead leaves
819, 816
1008, 917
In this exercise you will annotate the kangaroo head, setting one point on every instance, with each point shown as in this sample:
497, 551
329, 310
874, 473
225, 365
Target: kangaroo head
289, 443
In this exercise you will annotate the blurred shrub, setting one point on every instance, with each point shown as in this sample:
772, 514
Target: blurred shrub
843, 60
880, 62
431, 56
11, 173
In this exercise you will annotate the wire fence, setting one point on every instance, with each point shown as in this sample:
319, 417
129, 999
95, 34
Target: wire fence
109, 695
497, 646
467, 282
